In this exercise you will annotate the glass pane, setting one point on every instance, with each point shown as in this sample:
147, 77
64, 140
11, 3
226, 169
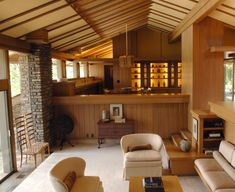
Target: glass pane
228, 81
5, 145
69, 70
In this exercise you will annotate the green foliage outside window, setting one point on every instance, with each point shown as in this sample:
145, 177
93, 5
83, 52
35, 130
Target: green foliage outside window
15, 79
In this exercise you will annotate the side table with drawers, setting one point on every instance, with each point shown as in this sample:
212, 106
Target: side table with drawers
112, 130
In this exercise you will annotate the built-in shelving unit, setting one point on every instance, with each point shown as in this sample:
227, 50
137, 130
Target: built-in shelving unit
157, 75
208, 131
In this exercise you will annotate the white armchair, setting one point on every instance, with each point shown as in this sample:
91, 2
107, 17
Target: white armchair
83, 183
143, 162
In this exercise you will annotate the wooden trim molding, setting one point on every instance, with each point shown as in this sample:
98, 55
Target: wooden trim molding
222, 48
121, 98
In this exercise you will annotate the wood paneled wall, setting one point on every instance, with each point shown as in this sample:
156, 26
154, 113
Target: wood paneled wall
202, 71
208, 68
161, 118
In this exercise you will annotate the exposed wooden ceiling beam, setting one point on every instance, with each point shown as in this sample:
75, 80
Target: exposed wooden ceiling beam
35, 17
97, 50
157, 28
62, 23
118, 7
118, 13
172, 8
165, 15
199, 12
75, 40
124, 18
121, 24
62, 55
55, 25
98, 47
104, 60
162, 23
133, 26
69, 33
14, 44
94, 44
175, 5
28, 11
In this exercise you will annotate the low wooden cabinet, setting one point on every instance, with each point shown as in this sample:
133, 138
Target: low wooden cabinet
112, 130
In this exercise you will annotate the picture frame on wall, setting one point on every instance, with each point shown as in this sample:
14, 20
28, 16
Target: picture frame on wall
116, 111
195, 129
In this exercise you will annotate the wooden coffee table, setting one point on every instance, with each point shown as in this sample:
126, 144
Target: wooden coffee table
170, 183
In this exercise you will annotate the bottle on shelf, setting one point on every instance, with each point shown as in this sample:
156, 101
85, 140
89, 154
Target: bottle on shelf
164, 84
158, 84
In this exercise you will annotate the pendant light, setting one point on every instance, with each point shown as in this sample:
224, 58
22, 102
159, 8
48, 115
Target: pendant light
126, 60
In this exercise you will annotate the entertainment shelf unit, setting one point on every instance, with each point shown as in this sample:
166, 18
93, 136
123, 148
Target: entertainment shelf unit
209, 133
156, 75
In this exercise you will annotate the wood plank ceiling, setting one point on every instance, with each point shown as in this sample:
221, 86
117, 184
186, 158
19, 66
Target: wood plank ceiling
88, 26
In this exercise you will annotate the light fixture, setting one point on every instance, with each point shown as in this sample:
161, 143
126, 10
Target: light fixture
126, 60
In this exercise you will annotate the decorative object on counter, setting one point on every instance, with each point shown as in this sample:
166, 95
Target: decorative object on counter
115, 111
185, 145
105, 116
119, 120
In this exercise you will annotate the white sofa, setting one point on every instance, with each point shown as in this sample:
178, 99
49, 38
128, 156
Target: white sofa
82, 183
218, 173
143, 162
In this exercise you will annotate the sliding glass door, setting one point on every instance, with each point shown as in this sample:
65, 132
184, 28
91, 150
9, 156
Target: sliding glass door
7, 164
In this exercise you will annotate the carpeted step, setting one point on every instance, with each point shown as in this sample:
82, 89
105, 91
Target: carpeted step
186, 134
176, 138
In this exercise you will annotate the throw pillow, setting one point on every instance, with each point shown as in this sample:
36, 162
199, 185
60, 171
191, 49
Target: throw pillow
70, 179
140, 147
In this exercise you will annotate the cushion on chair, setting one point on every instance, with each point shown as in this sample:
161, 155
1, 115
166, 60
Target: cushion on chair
70, 179
86, 184
140, 147
143, 155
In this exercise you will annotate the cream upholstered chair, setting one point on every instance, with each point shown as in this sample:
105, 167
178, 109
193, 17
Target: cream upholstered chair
142, 162
60, 171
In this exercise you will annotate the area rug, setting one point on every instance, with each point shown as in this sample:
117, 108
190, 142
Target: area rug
105, 162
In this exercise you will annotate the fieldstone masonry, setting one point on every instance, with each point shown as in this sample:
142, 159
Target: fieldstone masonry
36, 83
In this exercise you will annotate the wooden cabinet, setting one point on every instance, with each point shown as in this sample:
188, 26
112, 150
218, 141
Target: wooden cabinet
112, 130
208, 131
156, 75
